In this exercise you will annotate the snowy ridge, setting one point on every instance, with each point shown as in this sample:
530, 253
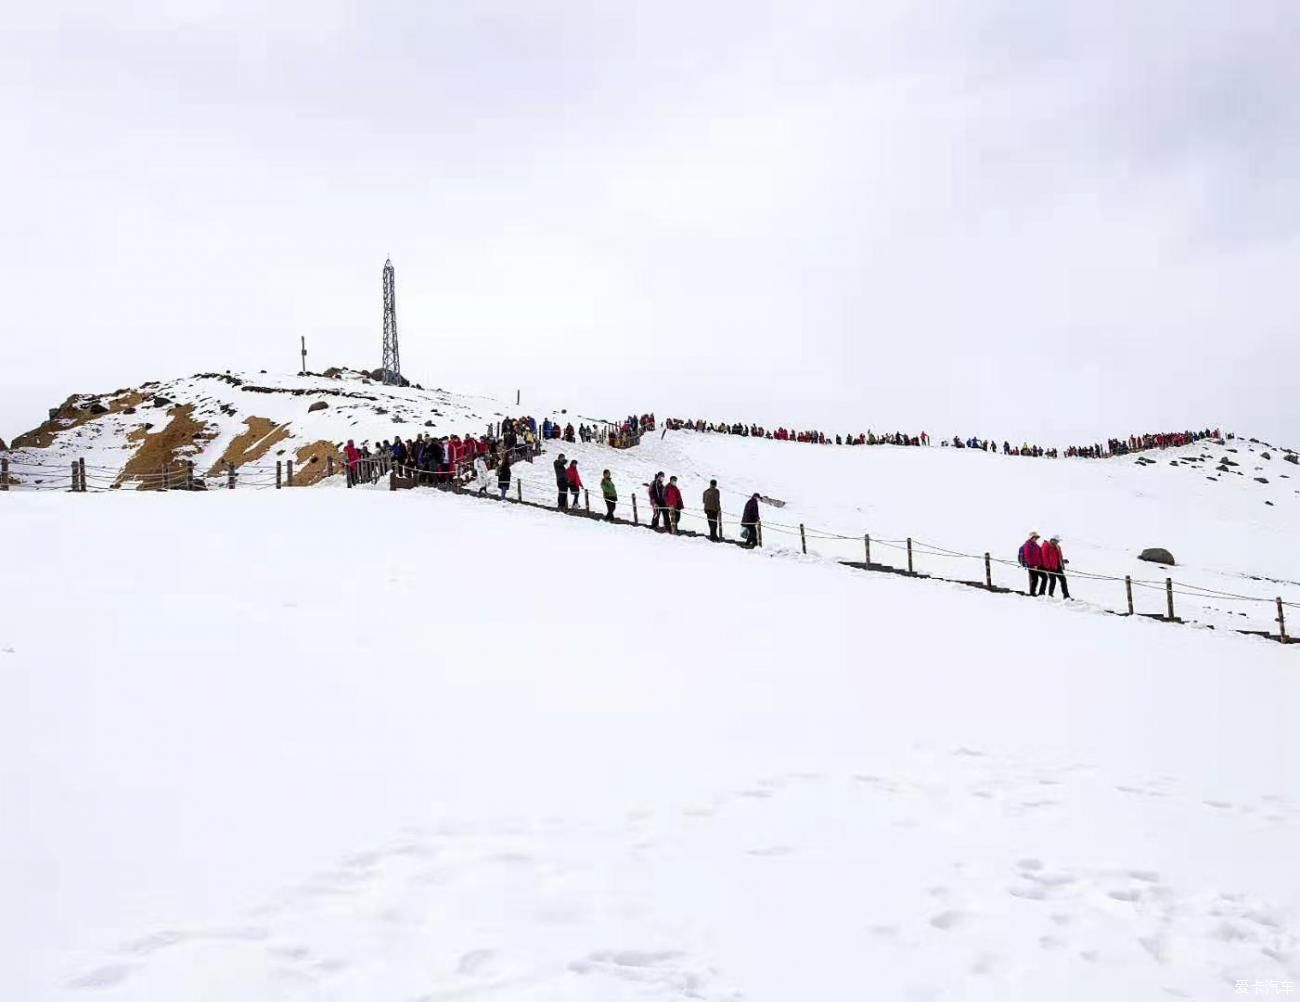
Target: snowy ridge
1227, 512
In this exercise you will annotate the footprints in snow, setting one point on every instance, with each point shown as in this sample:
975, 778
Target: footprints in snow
1092, 915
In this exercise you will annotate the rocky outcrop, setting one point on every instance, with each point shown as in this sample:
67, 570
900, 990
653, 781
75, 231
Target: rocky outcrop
1157, 555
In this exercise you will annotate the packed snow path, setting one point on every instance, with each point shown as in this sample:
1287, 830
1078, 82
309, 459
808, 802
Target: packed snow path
364, 745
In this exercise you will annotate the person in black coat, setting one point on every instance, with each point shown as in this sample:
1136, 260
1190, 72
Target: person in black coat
503, 475
749, 522
562, 482
658, 501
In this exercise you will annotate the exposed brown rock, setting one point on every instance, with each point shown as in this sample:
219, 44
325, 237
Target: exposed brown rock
310, 464
262, 435
182, 438
71, 414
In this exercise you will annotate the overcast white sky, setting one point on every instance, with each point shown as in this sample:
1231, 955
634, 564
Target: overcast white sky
1009, 219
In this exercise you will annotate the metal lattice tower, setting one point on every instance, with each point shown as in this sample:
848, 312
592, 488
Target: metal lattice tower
392, 367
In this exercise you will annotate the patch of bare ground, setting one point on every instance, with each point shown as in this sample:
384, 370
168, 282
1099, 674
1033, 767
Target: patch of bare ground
311, 463
168, 448
74, 412
249, 446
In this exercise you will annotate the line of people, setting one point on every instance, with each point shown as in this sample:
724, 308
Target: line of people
666, 502
1095, 450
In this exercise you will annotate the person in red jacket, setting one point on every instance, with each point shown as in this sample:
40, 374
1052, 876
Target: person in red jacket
353, 456
1031, 558
1054, 567
575, 483
673, 501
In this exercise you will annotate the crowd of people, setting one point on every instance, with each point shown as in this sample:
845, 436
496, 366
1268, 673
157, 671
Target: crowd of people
443, 459
1094, 450
618, 435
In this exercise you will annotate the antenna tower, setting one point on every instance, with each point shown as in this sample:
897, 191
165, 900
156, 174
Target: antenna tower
392, 367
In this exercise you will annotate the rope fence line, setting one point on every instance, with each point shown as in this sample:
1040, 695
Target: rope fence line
75, 478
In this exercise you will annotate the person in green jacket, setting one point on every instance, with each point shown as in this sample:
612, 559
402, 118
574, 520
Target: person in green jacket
611, 496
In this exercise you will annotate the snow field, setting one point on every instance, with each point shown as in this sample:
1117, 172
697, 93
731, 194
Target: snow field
358, 745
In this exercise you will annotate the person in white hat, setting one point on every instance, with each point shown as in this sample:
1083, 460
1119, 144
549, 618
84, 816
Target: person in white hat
1054, 567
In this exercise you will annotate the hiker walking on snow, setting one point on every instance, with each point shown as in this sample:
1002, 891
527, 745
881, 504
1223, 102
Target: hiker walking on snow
610, 495
562, 483
750, 525
1031, 558
713, 510
503, 476
673, 499
575, 483
658, 505
1054, 567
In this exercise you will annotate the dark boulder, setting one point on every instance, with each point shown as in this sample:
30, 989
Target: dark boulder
1292, 458
97, 408
319, 405
1265, 455
394, 378
160, 401
1261, 480
1157, 555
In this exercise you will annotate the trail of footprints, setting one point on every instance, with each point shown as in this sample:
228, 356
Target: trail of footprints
391, 888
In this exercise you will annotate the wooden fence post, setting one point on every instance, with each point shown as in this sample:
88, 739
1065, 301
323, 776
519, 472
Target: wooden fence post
1169, 595
1128, 591
4, 474
278, 474
519, 489
988, 572
288, 480
329, 465
230, 476
909, 555
635, 519
586, 497
189, 475
803, 539
866, 541
166, 479
1281, 621
758, 528
75, 488
81, 473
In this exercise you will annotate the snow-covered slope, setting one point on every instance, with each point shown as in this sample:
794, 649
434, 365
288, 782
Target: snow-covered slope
1230, 525
359, 745
248, 420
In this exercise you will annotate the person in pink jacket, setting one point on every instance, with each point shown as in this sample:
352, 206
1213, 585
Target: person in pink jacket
575, 483
1031, 558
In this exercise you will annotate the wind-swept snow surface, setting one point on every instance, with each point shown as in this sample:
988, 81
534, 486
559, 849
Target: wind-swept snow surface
329, 744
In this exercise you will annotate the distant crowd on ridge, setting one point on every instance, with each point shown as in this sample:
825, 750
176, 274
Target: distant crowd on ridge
1112, 447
